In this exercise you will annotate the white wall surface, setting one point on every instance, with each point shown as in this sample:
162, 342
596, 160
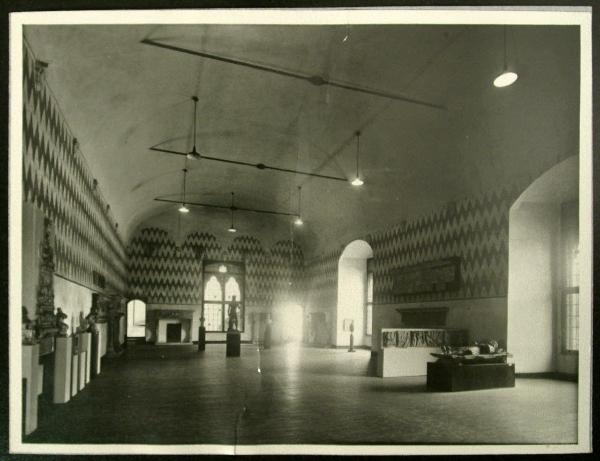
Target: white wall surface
533, 239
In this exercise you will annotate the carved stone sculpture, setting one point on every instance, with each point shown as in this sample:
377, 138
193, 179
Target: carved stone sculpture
83, 323
27, 329
46, 322
60, 322
91, 319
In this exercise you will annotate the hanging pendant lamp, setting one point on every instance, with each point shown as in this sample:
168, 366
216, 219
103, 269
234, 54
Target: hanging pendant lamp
298, 221
506, 78
194, 154
183, 208
232, 227
357, 181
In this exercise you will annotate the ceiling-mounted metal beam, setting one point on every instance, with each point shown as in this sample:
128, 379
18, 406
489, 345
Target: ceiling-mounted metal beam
260, 166
226, 207
316, 80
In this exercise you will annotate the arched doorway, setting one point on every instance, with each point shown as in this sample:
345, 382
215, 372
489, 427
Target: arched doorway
542, 299
352, 306
136, 319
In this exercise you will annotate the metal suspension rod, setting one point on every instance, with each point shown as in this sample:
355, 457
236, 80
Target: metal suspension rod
224, 207
260, 166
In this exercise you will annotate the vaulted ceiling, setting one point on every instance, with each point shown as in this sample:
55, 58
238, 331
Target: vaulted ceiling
121, 97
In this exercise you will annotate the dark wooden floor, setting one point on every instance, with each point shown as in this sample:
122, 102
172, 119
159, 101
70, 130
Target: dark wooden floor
176, 395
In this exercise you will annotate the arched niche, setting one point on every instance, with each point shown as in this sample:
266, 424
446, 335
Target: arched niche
352, 288
535, 266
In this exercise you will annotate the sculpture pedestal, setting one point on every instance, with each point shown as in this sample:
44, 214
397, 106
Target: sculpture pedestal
95, 363
233, 344
81, 365
267, 337
86, 346
30, 373
201, 338
62, 370
74, 374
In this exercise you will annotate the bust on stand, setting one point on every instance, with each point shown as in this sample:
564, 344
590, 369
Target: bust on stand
233, 335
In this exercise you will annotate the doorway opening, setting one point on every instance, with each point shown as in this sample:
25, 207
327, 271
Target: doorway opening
543, 286
136, 319
353, 306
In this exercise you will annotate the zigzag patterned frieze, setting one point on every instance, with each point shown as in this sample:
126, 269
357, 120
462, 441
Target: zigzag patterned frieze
56, 180
161, 273
476, 230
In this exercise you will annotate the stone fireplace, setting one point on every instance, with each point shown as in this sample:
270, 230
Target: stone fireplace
172, 326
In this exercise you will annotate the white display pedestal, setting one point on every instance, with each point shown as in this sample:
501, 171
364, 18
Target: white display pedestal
40, 379
82, 363
96, 353
30, 371
74, 374
62, 369
409, 361
86, 345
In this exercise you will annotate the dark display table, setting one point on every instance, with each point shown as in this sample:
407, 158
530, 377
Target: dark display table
449, 377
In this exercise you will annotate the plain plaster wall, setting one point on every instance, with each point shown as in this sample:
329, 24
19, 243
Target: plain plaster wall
484, 318
533, 239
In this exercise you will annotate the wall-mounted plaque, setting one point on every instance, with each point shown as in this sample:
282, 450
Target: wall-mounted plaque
427, 277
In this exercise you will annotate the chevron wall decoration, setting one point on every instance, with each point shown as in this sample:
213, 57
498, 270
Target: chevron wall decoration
56, 180
474, 229
321, 281
159, 273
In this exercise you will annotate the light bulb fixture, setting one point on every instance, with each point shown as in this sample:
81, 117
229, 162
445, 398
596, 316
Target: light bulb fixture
506, 78
223, 269
298, 221
183, 208
357, 181
194, 154
232, 208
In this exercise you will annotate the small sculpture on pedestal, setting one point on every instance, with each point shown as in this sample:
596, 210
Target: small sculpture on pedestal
232, 312
60, 322
27, 329
351, 328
